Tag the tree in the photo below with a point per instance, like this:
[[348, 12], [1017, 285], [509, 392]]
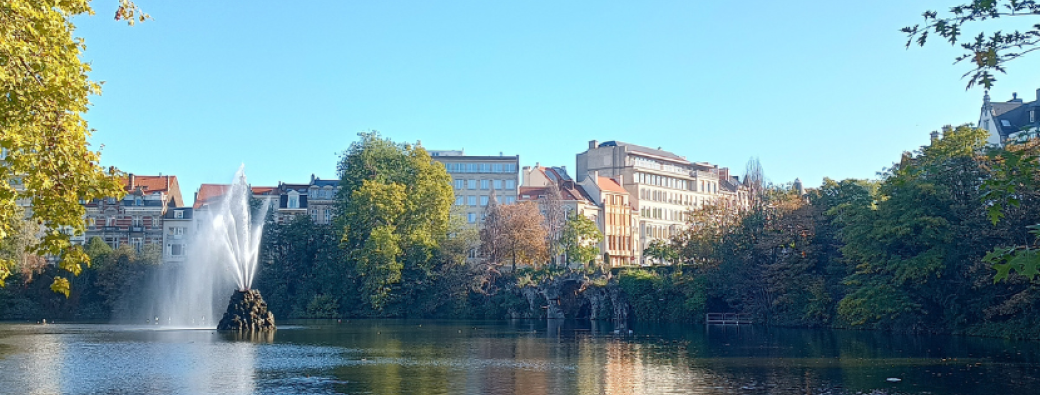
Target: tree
[[555, 217], [14, 248], [755, 181], [492, 246], [988, 53], [909, 251], [580, 239], [46, 158], [394, 202], [523, 234]]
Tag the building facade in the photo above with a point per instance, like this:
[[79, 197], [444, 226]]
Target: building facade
[[618, 221], [137, 218], [664, 187], [474, 177], [1004, 120], [179, 228]]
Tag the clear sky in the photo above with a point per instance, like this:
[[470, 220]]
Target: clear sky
[[814, 89]]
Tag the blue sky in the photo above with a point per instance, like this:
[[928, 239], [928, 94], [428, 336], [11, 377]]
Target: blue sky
[[814, 89]]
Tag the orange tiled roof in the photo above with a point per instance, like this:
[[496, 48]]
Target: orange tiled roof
[[209, 192], [608, 184], [149, 184], [263, 190]]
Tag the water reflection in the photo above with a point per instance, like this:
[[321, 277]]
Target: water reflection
[[523, 357]]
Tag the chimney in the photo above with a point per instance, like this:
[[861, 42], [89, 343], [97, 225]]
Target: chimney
[[935, 136], [167, 183], [1038, 95], [593, 144], [1014, 97], [312, 178], [620, 180], [595, 177]]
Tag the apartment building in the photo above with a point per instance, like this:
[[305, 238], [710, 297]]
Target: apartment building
[[618, 221], [474, 177], [137, 218], [663, 187]]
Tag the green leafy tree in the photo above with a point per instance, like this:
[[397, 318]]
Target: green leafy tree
[[394, 205], [1015, 169], [47, 159], [915, 245], [988, 53], [662, 250], [580, 239]]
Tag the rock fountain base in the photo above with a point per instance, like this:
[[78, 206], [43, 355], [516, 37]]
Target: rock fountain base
[[247, 312]]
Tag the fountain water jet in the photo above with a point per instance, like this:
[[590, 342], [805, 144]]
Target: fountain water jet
[[223, 254], [239, 235]]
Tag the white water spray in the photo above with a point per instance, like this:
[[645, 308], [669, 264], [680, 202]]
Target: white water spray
[[235, 233], [222, 256]]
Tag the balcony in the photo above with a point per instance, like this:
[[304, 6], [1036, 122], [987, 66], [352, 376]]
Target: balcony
[[110, 228], [137, 229]]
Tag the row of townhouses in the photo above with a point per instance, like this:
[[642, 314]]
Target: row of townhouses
[[634, 194]]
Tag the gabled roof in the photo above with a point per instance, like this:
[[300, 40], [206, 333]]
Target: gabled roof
[[1017, 118], [644, 150], [608, 184], [264, 190], [1000, 108], [152, 184], [323, 183], [209, 193]]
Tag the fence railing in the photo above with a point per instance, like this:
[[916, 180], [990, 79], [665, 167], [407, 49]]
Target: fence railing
[[727, 319]]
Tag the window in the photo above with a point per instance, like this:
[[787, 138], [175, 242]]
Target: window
[[485, 184], [459, 184], [178, 214], [498, 184], [497, 168], [328, 215], [483, 200], [459, 200], [510, 184], [294, 201], [1005, 122], [471, 184], [1032, 116], [510, 199], [472, 218], [176, 249], [472, 200]]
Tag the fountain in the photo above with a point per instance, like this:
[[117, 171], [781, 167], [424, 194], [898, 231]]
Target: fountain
[[224, 243], [237, 237]]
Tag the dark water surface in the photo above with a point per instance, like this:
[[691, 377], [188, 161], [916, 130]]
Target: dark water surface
[[525, 357]]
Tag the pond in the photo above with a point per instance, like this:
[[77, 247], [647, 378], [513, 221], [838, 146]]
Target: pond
[[508, 357]]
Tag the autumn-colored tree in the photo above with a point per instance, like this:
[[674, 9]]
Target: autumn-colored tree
[[46, 160], [523, 234]]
